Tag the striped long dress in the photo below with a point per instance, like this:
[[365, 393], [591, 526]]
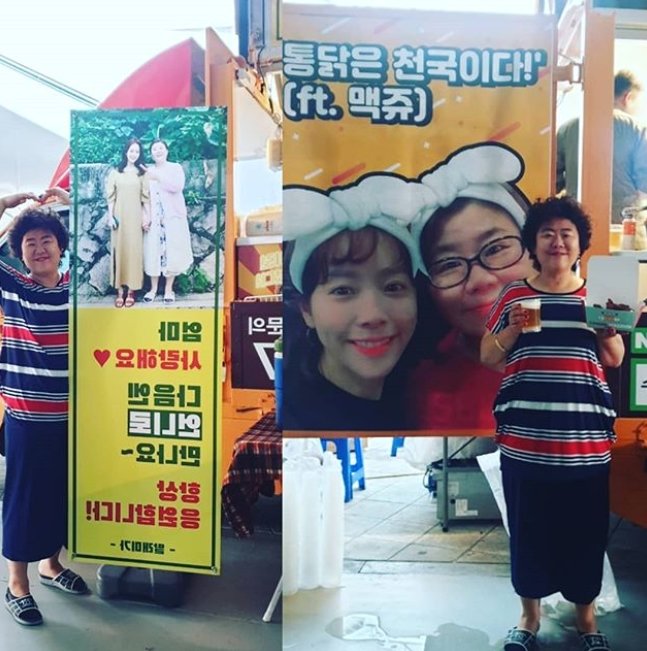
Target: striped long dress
[[554, 408], [34, 386], [554, 417]]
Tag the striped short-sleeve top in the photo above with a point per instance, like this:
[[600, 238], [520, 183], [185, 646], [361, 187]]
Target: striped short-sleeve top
[[34, 353], [554, 409]]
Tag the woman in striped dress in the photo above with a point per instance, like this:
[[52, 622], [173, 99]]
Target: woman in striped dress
[[34, 387], [554, 414]]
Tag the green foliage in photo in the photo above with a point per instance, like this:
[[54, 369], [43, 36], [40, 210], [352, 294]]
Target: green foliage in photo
[[101, 138], [194, 282]]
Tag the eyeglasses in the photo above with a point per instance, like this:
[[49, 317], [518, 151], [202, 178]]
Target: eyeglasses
[[495, 255]]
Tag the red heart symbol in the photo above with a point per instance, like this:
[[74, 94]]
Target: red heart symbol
[[102, 356]]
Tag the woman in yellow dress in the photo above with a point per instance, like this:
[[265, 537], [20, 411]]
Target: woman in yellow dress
[[128, 207]]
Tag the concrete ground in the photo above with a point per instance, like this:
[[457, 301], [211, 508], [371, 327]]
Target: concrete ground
[[409, 586], [217, 614]]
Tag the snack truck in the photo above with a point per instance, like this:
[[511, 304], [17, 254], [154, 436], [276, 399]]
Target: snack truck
[[596, 40], [250, 87]]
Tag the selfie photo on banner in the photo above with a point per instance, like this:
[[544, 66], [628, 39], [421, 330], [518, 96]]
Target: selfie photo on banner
[[403, 206]]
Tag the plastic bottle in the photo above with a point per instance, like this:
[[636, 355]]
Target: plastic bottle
[[332, 522], [640, 241], [309, 497], [292, 481], [629, 233]]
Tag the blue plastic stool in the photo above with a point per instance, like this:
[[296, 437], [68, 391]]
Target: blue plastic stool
[[278, 388], [398, 442], [351, 471]]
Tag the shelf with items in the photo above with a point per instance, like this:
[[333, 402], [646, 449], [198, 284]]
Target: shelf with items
[[641, 256], [250, 267]]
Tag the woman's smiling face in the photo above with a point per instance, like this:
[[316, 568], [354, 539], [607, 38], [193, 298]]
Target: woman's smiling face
[[41, 254], [557, 245], [133, 153], [465, 234], [159, 152], [364, 315]]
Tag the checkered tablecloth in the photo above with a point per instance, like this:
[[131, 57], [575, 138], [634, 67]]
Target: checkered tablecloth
[[256, 462]]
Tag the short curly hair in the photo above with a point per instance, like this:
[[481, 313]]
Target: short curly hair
[[36, 217], [543, 210]]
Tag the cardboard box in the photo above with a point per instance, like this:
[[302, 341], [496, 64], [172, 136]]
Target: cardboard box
[[260, 266], [615, 288]]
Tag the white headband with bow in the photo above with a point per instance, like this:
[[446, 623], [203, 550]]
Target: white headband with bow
[[311, 217], [480, 172]]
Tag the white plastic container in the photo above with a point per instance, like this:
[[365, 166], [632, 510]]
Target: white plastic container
[[309, 497], [291, 526], [332, 522]]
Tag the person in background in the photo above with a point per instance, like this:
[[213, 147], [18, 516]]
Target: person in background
[[127, 195], [351, 310], [555, 418], [167, 240], [629, 188], [470, 243], [34, 387]]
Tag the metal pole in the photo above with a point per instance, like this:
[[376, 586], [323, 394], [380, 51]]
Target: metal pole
[[445, 522]]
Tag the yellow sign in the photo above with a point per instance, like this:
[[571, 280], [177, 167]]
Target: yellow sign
[[145, 338], [413, 140], [144, 474], [399, 91]]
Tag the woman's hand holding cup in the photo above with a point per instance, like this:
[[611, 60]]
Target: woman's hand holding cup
[[517, 319]]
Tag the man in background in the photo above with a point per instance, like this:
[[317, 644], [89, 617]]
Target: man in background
[[629, 187]]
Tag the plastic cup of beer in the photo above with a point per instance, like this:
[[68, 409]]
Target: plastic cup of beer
[[532, 307], [615, 237]]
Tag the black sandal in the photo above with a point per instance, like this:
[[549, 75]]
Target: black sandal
[[594, 641], [23, 609], [519, 639], [67, 581]]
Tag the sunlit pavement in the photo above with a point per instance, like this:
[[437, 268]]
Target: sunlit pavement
[[218, 613], [409, 586]]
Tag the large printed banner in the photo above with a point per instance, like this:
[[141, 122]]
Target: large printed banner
[[148, 194], [413, 142]]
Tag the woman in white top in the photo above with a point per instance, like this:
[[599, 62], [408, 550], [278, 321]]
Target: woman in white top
[[167, 241]]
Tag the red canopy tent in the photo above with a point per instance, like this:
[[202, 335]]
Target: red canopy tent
[[173, 78]]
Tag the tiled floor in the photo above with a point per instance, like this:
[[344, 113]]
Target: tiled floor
[[409, 586], [218, 613], [394, 521]]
